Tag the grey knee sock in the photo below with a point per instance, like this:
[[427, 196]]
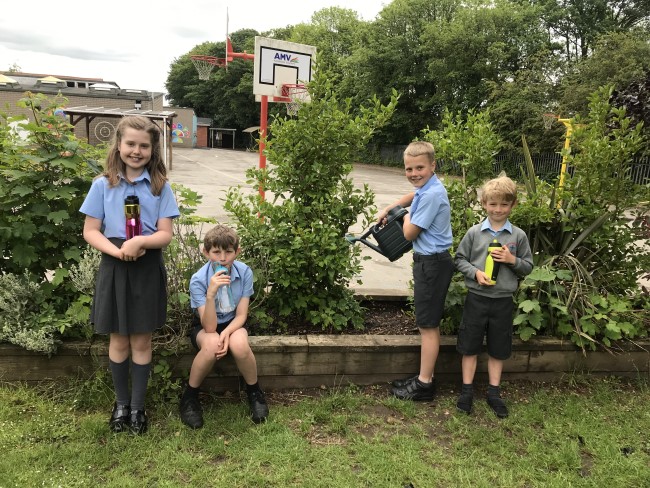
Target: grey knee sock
[[139, 380], [120, 373]]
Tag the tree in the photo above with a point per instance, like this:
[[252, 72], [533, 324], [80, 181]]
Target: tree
[[391, 57], [635, 98], [479, 48], [618, 58], [295, 239], [577, 24], [227, 97]]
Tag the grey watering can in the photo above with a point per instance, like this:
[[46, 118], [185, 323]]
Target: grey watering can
[[389, 237]]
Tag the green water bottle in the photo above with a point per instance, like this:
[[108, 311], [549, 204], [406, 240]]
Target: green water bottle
[[492, 266]]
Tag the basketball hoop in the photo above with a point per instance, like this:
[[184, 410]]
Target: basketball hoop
[[204, 65], [548, 119], [297, 95]]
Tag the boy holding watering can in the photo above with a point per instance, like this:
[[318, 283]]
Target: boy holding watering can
[[428, 227]]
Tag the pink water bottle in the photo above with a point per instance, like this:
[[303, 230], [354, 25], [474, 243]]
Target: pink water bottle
[[132, 214]]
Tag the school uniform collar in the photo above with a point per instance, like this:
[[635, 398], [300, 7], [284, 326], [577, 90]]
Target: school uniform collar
[[506, 227], [432, 181], [144, 176]]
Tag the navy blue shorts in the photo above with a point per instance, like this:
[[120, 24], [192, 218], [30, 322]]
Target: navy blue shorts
[[484, 316], [197, 327], [431, 277]]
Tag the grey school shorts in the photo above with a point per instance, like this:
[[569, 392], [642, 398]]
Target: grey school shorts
[[431, 277], [485, 316]]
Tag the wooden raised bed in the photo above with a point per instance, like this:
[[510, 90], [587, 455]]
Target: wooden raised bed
[[315, 360]]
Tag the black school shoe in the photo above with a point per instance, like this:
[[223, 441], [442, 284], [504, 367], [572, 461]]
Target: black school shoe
[[416, 390], [138, 422], [191, 412], [404, 381], [498, 406], [119, 421], [465, 402], [258, 406]]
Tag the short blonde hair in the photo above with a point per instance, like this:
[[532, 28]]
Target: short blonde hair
[[418, 148], [500, 187]]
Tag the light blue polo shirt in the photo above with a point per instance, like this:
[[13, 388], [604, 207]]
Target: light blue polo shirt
[[107, 204], [430, 210], [241, 284]]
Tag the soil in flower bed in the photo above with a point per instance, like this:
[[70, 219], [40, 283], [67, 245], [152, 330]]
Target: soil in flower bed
[[381, 318]]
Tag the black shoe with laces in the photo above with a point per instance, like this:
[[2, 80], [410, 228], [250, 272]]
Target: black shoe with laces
[[191, 412], [401, 383], [119, 421], [416, 390], [258, 406], [498, 406]]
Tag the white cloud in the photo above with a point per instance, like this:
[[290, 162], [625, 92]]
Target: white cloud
[[133, 43]]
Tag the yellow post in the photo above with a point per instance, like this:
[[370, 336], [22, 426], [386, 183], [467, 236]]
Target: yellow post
[[567, 141]]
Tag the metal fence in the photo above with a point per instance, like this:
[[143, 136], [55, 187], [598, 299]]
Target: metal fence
[[547, 165]]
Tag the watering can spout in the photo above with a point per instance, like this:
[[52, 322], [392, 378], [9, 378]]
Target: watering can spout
[[389, 237]]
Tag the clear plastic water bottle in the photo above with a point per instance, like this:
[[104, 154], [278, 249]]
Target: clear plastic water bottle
[[225, 300]]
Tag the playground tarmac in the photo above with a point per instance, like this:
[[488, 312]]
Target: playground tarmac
[[211, 172]]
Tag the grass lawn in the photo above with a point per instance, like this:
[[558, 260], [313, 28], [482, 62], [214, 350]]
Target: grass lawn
[[583, 431]]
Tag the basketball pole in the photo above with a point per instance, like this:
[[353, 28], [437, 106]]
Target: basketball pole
[[264, 107]]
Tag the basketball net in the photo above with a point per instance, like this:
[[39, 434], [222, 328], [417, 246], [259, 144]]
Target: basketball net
[[297, 95], [204, 65], [548, 120]]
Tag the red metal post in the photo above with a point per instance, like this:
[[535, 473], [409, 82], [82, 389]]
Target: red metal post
[[263, 120]]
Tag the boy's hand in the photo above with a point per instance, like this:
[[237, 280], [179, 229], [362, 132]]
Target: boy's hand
[[222, 348], [503, 255], [483, 279], [381, 217], [220, 278]]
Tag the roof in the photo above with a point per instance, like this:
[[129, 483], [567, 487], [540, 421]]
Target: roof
[[6, 79], [117, 112]]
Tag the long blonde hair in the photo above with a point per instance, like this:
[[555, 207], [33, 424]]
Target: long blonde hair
[[156, 166]]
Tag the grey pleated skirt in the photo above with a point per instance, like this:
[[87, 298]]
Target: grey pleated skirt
[[130, 296]]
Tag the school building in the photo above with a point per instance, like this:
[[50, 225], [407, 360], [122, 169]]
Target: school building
[[93, 106]]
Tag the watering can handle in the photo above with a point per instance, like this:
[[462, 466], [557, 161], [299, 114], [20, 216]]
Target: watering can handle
[[362, 239]]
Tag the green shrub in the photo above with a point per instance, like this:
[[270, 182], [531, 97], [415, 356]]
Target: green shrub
[[295, 239], [43, 181], [588, 253]]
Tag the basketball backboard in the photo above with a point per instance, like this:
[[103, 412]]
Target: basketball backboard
[[279, 63]]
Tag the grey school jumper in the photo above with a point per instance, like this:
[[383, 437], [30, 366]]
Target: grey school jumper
[[471, 254]]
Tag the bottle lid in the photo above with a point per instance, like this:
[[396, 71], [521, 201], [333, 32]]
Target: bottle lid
[[131, 200]]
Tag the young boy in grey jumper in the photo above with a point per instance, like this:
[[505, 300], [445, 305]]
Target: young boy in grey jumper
[[489, 306]]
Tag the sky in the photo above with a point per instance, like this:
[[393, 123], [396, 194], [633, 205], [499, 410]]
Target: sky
[[133, 42]]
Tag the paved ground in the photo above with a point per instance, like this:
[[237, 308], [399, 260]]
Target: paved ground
[[210, 172]]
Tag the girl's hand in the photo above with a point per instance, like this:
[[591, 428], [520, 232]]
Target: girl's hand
[[131, 250]]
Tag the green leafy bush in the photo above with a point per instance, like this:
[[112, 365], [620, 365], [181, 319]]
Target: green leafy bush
[[588, 252], [43, 181], [295, 239]]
